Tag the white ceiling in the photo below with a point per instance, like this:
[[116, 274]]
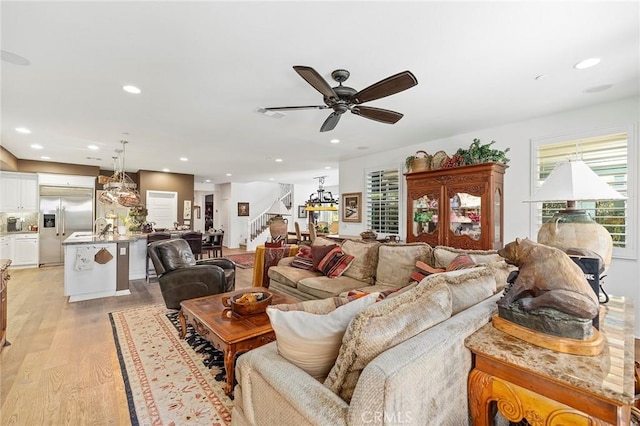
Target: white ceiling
[[205, 67]]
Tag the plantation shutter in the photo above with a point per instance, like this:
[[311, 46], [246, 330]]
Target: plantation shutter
[[383, 198], [607, 157]]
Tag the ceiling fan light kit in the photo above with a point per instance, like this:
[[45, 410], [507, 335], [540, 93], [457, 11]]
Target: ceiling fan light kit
[[343, 98]]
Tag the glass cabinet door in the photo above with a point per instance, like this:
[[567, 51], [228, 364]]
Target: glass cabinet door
[[425, 215], [464, 215]]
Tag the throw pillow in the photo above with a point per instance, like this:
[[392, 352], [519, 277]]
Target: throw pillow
[[319, 252], [443, 255], [461, 261], [335, 263], [468, 286], [396, 262], [303, 259], [384, 325], [423, 270], [309, 334]]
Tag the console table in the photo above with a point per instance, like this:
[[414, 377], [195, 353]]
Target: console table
[[548, 387]]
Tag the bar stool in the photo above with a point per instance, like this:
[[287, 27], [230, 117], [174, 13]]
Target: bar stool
[[154, 236]]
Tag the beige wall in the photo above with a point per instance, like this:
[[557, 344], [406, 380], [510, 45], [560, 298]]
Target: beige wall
[[8, 161], [32, 166], [160, 181]]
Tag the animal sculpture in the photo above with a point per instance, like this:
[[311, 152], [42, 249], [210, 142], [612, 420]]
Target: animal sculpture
[[548, 278]]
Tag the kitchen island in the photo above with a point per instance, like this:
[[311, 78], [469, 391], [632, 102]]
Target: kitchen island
[[99, 266]]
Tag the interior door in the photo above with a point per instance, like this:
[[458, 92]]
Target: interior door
[[163, 208]]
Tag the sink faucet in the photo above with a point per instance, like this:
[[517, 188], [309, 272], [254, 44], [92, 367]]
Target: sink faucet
[[95, 223]]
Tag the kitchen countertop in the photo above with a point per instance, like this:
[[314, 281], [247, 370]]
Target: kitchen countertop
[[4, 234], [89, 238]]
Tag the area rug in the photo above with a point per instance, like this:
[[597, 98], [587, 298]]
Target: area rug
[[244, 260], [168, 380]]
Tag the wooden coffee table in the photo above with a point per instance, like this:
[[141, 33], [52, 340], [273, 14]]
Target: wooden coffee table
[[231, 334]]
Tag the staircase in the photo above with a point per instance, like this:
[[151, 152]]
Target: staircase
[[258, 228]]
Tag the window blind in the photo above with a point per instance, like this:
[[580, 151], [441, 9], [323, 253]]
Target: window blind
[[383, 198]]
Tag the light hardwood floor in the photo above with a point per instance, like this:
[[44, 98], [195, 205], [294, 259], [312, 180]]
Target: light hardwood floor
[[62, 367]]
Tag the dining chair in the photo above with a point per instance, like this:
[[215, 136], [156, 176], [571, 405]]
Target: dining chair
[[213, 246], [195, 242], [312, 233], [296, 225]]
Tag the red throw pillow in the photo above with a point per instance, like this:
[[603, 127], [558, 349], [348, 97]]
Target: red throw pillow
[[461, 261], [319, 252], [303, 259], [423, 270], [335, 263]]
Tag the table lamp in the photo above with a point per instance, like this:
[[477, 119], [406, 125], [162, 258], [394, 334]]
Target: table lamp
[[278, 224], [573, 181]]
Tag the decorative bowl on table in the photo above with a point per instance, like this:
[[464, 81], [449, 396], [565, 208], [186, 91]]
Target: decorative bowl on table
[[249, 303]]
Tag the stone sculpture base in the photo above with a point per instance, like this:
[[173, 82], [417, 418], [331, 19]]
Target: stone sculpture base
[[548, 321]]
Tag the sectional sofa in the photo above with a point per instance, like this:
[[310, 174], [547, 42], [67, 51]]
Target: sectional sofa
[[402, 360]]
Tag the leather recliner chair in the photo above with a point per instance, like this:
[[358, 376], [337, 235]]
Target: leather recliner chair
[[181, 277]]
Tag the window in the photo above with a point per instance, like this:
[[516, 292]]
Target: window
[[608, 156], [383, 201]]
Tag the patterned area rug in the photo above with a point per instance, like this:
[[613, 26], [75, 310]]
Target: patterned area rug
[[169, 381], [244, 260]]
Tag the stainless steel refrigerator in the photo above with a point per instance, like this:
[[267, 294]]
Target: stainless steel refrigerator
[[63, 211]]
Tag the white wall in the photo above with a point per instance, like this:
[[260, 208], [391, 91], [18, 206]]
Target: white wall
[[259, 195], [623, 278]]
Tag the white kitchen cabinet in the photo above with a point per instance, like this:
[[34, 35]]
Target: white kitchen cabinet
[[25, 250], [6, 247], [138, 259], [19, 192]]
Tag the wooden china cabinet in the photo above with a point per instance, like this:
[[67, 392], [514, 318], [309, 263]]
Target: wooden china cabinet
[[460, 207]]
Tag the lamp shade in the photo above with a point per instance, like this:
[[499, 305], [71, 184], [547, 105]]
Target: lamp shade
[[278, 208], [574, 180]]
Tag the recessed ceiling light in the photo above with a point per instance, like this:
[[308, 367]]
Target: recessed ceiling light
[[587, 63], [228, 174], [327, 168], [36, 146], [184, 159], [165, 170], [335, 141], [270, 178], [278, 160], [23, 130], [44, 157], [14, 59], [207, 180], [93, 147], [131, 89]]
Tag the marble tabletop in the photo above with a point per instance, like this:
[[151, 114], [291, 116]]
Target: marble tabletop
[[90, 238], [609, 374]]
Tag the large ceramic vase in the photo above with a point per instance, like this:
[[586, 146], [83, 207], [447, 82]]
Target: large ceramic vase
[[278, 228]]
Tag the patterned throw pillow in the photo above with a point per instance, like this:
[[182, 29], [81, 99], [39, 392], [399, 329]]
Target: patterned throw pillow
[[423, 270], [303, 259], [461, 261], [335, 263], [319, 252]]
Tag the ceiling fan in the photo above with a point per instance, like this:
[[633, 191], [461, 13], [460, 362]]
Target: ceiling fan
[[343, 98]]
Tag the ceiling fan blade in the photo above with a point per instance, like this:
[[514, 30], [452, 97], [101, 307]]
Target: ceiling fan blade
[[295, 107], [377, 114], [388, 86], [330, 122], [312, 77]]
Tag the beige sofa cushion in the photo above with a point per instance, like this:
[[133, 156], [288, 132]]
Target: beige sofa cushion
[[322, 286], [468, 286], [383, 325], [289, 275], [396, 262], [309, 333], [442, 255], [321, 241], [364, 265]]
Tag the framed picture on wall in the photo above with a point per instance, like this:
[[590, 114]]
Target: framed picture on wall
[[243, 209], [302, 213], [352, 207]]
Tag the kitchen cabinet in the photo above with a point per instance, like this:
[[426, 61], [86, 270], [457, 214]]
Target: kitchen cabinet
[[25, 249], [6, 247], [19, 192], [460, 207]]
